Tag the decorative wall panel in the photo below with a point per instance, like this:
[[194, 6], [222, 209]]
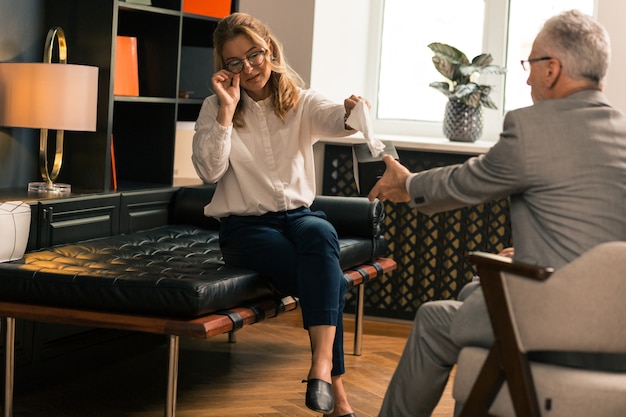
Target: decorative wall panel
[[431, 251]]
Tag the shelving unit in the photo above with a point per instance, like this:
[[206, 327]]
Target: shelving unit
[[175, 60]]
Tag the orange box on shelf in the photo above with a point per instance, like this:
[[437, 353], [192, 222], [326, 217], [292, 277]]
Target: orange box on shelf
[[126, 76], [213, 8]]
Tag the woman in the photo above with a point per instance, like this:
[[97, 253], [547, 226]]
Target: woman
[[254, 138]]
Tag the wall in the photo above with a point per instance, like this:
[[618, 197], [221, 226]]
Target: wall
[[612, 14], [21, 40], [292, 23]]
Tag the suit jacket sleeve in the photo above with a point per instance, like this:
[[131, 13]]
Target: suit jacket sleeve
[[496, 174]]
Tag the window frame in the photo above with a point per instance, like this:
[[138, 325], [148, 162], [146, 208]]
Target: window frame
[[495, 24]]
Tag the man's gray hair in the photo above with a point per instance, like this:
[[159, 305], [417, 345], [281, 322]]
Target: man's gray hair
[[580, 43]]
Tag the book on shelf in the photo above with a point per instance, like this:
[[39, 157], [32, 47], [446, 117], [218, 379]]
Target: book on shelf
[[113, 166], [184, 171], [212, 8], [126, 75]]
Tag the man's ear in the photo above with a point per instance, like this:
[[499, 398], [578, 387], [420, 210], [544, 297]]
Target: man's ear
[[553, 72]]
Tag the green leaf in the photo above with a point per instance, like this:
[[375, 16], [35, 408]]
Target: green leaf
[[482, 60], [449, 53], [488, 102], [468, 70], [489, 69], [463, 90], [445, 67], [493, 69], [473, 100], [443, 87]]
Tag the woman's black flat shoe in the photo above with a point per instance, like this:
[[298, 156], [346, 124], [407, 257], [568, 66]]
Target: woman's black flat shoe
[[319, 396]]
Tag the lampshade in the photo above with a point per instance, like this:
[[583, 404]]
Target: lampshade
[[48, 96]]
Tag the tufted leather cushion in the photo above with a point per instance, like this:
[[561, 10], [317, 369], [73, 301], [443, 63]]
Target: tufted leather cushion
[[173, 270]]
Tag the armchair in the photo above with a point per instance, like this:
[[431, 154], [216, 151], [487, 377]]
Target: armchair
[[535, 313]]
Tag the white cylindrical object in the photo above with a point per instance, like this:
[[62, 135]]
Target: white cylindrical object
[[15, 228]]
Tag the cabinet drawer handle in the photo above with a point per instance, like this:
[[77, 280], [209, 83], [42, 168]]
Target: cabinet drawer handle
[[47, 213]]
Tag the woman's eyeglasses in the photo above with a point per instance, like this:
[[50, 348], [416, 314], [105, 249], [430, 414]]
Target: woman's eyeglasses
[[254, 59]]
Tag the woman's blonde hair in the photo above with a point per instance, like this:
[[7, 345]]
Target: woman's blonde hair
[[284, 81]]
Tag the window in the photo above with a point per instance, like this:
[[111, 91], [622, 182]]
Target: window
[[403, 101]]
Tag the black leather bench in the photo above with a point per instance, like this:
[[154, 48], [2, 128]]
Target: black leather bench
[[171, 279]]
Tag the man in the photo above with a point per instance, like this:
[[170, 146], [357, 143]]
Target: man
[[561, 162]]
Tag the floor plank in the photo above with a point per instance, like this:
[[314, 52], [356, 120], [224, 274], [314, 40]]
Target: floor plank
[[259, 375]]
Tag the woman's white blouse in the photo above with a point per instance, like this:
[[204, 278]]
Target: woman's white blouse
[[267, 165]]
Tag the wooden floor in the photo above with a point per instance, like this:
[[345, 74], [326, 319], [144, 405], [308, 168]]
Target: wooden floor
[[259, 375]]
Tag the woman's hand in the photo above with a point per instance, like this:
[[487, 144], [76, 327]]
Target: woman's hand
[[226, 87]]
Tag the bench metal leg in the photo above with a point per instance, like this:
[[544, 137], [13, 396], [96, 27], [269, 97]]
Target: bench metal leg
[[9, 370], [172, 376], [358, 320]]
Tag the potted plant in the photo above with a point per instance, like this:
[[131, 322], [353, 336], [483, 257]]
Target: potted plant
[[463, 118]]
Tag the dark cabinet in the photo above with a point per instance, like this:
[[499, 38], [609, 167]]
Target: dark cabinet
[[141, 210], [81, 217], [73, 219], [175, 63]]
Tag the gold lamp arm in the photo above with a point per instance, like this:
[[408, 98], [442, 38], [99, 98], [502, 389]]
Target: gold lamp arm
[[50, 176], [56, 33]]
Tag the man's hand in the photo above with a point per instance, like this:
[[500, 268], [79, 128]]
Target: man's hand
[[392, 185]]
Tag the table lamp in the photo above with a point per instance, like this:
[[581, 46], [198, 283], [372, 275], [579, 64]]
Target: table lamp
[[46, 95]]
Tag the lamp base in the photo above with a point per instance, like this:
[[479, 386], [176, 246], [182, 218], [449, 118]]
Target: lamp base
[[53, 189]]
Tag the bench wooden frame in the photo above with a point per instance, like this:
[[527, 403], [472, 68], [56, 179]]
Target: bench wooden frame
[[202, 327]]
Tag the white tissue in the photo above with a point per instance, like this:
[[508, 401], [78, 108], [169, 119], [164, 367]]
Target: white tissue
[[359, 119]]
